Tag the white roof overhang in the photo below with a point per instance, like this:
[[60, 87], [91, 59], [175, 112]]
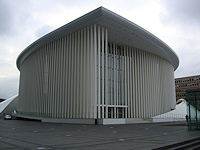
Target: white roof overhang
[[120, 30]]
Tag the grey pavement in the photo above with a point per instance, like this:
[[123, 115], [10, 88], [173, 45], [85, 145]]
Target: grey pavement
[[23, 134]]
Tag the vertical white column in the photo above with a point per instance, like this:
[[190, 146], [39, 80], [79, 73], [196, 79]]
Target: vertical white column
[[135, 79], [103, 92], [72, 76], [117, 77], [125, 85], [151, 86], [153, 78], [131, 82], [111, 78], [147, 85], [138, 84], [53, 88], [45, 95], [56, 80], [50, 82], [52, 77], [75, 76], [58, 90], [158, 86], [82, 74], [144, 84], [78, 85], [128, 81], [157, 82], [106, 70], [95, 72], [91, 73], [38, 81], [141, 88], [99, 73], [114, 71], [85, 75], [62, 78], [46, 79], [69, 76], [65, 77], [88, 73], [52, 59], [122, 80]]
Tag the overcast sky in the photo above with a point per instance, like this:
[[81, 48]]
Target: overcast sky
[[176, 22]]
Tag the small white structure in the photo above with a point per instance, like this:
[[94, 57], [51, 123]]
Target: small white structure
[[9, 105], [178, 114]]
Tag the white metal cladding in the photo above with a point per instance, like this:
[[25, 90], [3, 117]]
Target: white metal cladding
[[82, 75]]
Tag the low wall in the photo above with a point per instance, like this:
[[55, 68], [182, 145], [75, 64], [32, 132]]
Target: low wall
[[110, 121], [74, 121], [168, 119]]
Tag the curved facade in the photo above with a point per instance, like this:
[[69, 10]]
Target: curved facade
[[98, 66]]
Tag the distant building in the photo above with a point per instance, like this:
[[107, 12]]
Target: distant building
[[186, 83], [99, 66]]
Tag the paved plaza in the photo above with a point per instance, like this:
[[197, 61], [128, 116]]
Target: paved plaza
[[23, 134]]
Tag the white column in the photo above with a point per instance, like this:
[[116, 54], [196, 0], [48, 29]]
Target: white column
[[103, 78], [91, 73], [125, 85], [131, 82], [85, 75], [106, 71], [82, 73], [78, 85], [136, 83], [114, 71], [111, 79], [62, 92], [95, 72], [99, 72], [75, 101], [67, 75]]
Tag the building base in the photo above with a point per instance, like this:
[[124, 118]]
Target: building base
[[87, 121]]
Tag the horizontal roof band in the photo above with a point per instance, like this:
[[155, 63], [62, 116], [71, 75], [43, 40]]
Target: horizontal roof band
[[120, 30]]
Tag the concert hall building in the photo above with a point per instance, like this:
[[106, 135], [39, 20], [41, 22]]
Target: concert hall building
[[97, 67]]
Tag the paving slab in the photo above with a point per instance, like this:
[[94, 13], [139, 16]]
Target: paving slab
[[23, 134]]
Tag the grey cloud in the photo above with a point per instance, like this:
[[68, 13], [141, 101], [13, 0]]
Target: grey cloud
[[181, 11], [9, 86], [6, 18], [183, 17], [43, 30], [13, 17], [188, 53]]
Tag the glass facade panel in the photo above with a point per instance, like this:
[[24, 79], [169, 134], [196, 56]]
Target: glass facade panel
[[193, 108], [115, 81]]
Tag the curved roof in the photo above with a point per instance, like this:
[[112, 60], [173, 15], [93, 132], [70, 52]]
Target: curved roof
[[120, 31]]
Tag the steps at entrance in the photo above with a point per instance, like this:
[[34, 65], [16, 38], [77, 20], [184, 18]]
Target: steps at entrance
[[193, 144]]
